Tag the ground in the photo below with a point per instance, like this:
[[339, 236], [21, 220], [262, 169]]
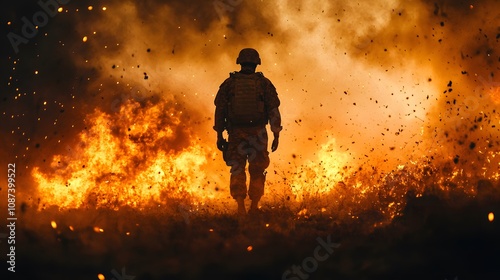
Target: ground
[[431, 240]]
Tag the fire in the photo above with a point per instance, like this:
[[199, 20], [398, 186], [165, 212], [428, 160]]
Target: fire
[[143, 156], [134, 157], [320, 175]]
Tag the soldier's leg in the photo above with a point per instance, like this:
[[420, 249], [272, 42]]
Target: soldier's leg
[[236, 159], [257, 165], [257, 170], [238, 185]]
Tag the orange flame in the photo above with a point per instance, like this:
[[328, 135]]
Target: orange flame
[[135, 158], [322, 174], [144, 155]]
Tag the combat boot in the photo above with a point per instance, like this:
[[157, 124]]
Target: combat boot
[[254, 208]]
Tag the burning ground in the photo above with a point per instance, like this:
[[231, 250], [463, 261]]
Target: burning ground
[[390, 143]]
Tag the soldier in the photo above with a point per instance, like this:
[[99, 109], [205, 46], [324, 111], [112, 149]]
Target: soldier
[[245, 103]]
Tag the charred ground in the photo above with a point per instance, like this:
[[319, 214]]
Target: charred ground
[[435, 238]]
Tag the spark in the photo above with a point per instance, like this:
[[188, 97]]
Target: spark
[[98, 230], [53, 224], [491, 217]]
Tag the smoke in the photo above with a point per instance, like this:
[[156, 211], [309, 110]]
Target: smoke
[[390, 81], [456, 42]]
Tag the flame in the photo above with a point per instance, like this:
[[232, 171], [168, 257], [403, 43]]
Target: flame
[[320, 175], [302, 212], [134, 157], [143, 155]]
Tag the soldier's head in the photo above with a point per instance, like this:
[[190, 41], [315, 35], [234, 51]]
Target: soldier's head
[[248, 58]]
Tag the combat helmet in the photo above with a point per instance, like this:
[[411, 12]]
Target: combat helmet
[[248, 55]]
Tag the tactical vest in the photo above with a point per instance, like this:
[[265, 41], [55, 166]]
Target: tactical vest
[[246, 100]]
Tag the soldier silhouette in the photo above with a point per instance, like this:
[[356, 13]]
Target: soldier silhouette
[[245, 103]]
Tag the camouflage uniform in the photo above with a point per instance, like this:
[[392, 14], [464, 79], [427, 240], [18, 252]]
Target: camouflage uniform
[[247, 143]]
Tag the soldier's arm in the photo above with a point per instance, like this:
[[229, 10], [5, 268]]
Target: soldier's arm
[[275, 121], [272, 103]]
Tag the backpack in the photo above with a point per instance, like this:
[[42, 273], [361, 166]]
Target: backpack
[[246, 100]]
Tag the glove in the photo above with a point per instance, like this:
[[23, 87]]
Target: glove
[[274, 145], [222, 144]]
